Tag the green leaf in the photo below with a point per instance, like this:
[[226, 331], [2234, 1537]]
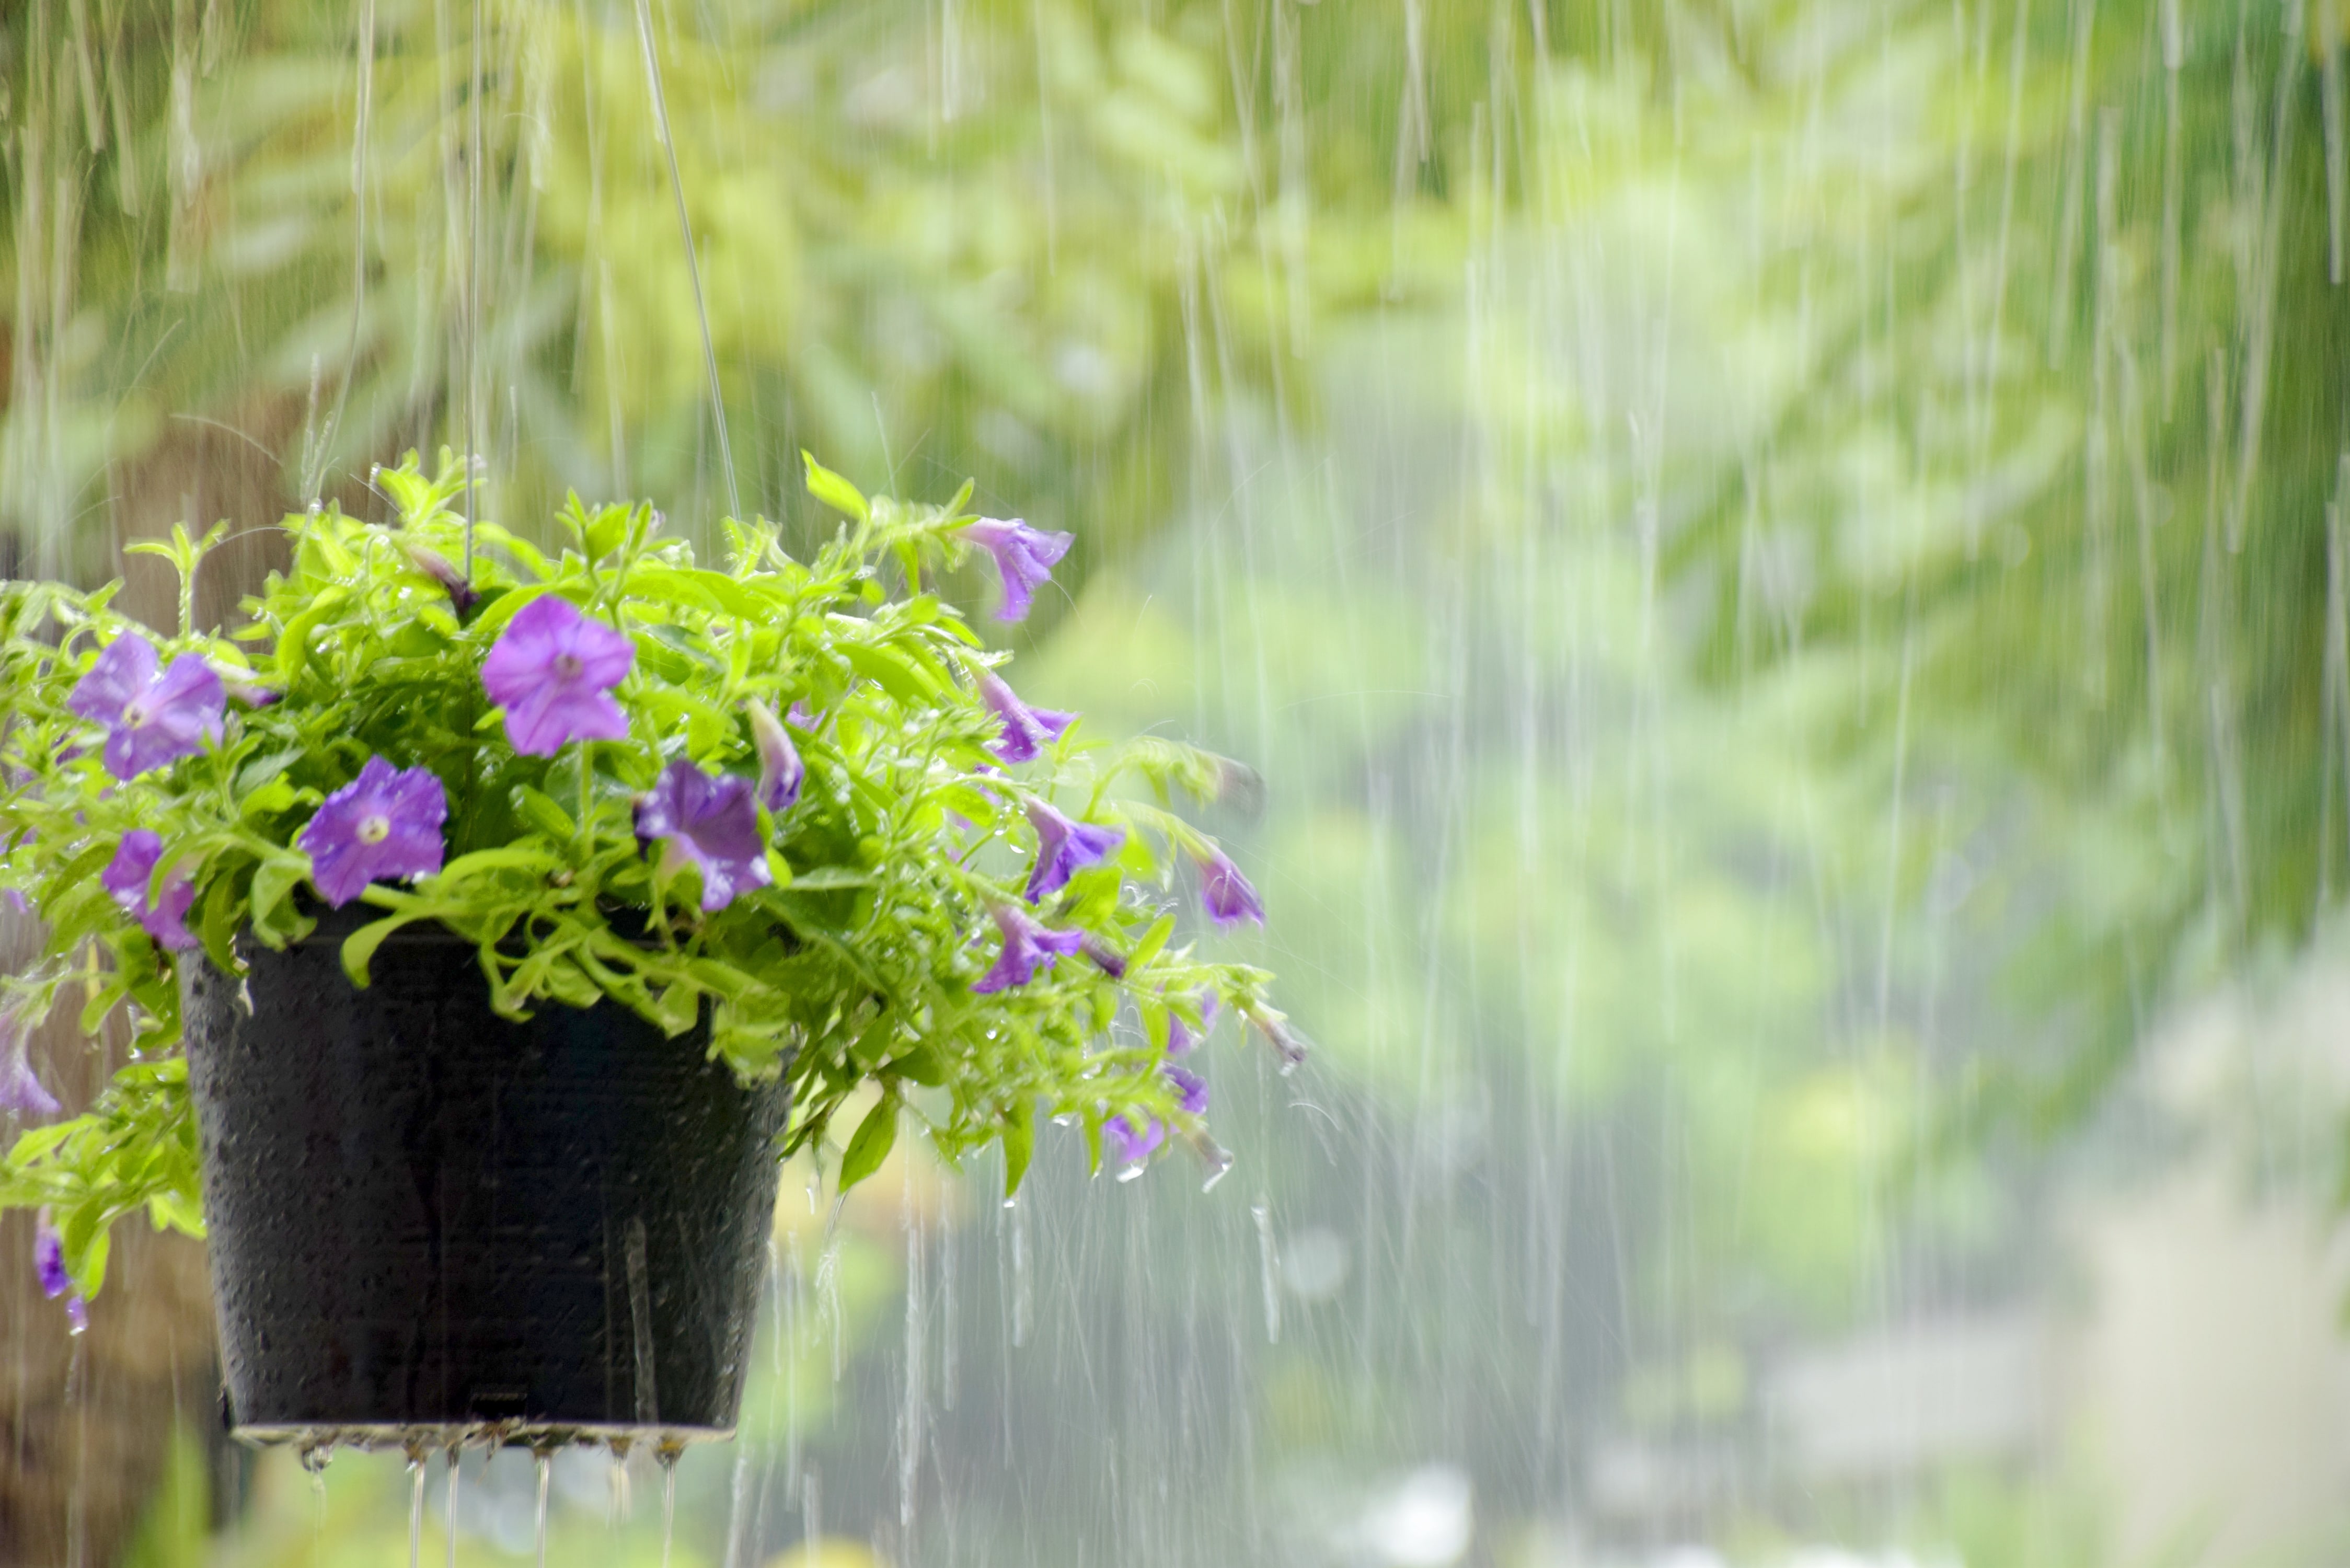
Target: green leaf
[[294, 642], [358, 947], [219, 920], [261, 770], [101, 1002], [891, 671], [1019, 1142], [731, 596], [920, 1066], [539, 809], [274, 881], [606, 531], [267, 800], [507, 858], [872, 1143], [834, 491], [826, 878], [89, 1253], [1152, 941]]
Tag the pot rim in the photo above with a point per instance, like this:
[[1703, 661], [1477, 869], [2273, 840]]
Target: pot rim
[[418, 1438]]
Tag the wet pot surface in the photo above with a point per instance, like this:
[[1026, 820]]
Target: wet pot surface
[[422, 1214]]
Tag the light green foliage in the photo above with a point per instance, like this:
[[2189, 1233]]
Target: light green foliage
[[174, 1530], [899, 256], [855, 967]]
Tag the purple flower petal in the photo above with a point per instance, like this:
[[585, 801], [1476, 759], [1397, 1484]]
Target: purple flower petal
[[1191, 1088], [125, 669], [129, 876], [150, 719], [49, 1258], [781, 772], [384, 823], [20, 1090], [1026, 730], [553, 671], [1024, 558], [710, 822], [1180, 1038], [1065, 847], [1027, 948], [1226, 893], [1127, 1145]]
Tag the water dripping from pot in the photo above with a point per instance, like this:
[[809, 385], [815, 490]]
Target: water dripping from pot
[[314, 1455], [543, 1459], [737, 1512], [668, 1455], [456, 1467], [415, 1503], [619, 1506]]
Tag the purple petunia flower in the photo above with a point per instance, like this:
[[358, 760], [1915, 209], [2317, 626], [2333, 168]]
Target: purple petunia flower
[[1180, 1038], [1127, 1145], [781, 772], [1024, 558], [49, 1258], [49, 1267], [384, 823], [1026, 730], [150, 719], [1105, 958], [20, 1089], [1191, 1088], [128, 878], [1027, 948], [708, 822], [1226, 893], [553, 671], [1065, 847]]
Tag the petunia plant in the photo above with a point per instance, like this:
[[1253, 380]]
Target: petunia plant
[[793, 798]]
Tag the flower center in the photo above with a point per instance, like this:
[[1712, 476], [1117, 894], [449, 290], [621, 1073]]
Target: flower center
[[374, 829], [568, 666], [134, 714]]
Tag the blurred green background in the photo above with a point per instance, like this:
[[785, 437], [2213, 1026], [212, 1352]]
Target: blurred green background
[[1783, 562]]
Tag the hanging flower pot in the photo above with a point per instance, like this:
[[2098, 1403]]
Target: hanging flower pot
[[422, 1214], [634, 872]]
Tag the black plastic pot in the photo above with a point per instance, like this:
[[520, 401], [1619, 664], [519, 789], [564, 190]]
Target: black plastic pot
[[423, 1215]]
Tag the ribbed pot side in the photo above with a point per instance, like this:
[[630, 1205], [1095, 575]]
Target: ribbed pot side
[[424, 1215]]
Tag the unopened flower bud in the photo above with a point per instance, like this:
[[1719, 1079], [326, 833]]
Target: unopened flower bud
[[461, 594], [781, 772]]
